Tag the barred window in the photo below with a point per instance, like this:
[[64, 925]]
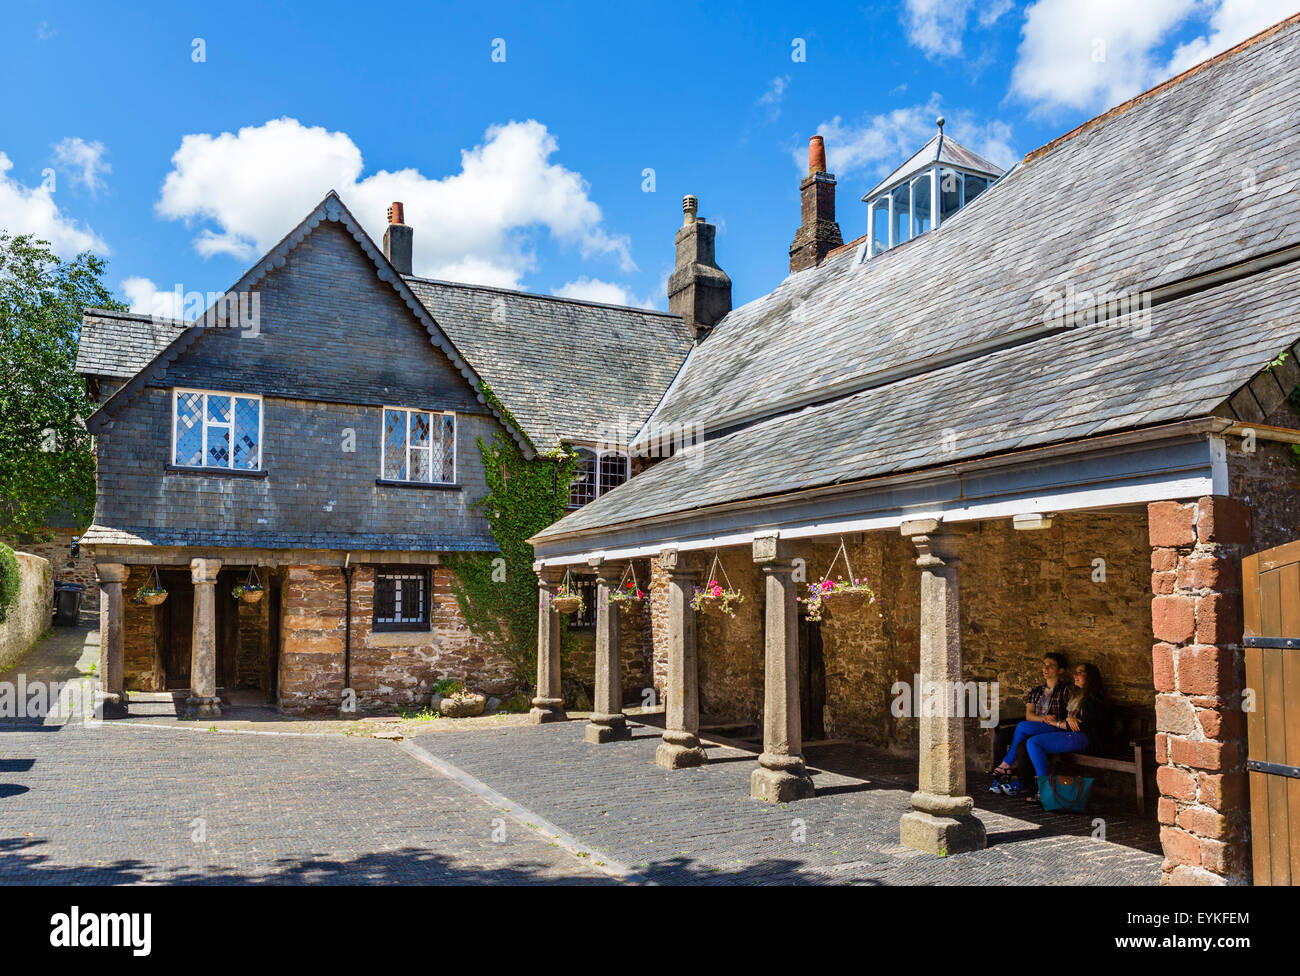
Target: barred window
[[587, 618], [594, 474], [402, 599], [216, 430], [419, 446]]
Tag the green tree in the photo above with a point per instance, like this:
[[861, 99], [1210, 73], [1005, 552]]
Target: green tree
[[46, 462]]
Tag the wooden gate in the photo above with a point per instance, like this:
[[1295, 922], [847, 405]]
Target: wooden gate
[[1271, 600]]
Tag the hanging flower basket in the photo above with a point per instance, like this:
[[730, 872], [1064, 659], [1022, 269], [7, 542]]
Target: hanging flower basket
[[628, 595], [841, 592], [568, 598], [151, 593], [713, 599], [249, 591]]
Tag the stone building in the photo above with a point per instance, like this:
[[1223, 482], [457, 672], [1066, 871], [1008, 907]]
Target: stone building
[[317, 433], [1049, 413]]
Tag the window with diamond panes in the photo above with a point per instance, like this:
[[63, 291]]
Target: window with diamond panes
[[419, 446], [402, 598], [217, 430]]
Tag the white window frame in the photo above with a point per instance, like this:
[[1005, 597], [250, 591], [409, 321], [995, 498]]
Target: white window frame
[[600, 456], [230, 466], [383, 445]]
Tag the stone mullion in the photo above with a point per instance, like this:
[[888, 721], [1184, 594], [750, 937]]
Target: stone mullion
[[1199, 672], [548, 705], [781, 775], [203, 700], [112, 653], [681, 743], [608, 723], [941, 820]]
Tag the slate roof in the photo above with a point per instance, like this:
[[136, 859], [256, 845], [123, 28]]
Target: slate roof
[[857, 369], [566, 369], [243, 539], [1198, 174], [1198, 351], [940, 149], [120, 344]]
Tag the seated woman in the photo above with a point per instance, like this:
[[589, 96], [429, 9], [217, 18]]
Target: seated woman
[[1083, 719], [1044, 706]]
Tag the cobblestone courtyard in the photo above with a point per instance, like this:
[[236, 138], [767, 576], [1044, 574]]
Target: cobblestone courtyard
[[124, 803]]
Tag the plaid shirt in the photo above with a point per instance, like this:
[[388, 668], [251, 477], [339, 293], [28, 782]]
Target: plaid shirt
[[1052, 702]]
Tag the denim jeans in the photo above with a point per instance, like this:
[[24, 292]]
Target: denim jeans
[[1023, 731], [1041, 746]]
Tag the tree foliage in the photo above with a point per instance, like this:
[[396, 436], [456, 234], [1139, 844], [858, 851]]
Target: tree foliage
[[497, 591], [46, 463]]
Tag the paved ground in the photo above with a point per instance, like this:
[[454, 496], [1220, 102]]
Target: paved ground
[[699, 825], [124, 802]]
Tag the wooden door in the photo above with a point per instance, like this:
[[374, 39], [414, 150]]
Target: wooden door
[[812, 680], [178, 631], [1271, 600]]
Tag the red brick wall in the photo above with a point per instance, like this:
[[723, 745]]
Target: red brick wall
[[1199, 674]]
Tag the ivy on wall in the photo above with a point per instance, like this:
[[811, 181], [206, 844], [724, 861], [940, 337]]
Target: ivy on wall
[[497, 591], [11, 581]]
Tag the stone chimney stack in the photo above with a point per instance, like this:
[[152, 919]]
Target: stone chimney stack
[[698, 290], [819, 234], [398, 240]]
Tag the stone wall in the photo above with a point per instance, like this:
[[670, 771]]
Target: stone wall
[[1022, 594], [388, 669], [253, 657], [142, 668], [29, 617], [57, 548], [1196, 548]]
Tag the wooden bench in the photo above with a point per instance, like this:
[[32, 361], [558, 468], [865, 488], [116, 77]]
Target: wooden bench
[[1132, 737]]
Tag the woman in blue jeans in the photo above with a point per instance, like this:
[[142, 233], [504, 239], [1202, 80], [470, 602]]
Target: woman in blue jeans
[[1082, 717]]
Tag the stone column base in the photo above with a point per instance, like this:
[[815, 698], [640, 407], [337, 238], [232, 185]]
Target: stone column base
[[202, 707], [607, 728], [942, 825], [780, 779], [547, 710], [112, 704], [679, 750]]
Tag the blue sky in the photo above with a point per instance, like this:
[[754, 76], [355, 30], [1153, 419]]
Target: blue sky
[[184, 139]]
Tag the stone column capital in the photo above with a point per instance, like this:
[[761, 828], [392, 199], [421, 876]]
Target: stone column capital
[[607, 571], [204, 570], [548, 577], [937, 545], [674, 562], [110, 573], [771, 550]]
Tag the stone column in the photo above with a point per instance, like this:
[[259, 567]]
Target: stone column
[[548, 706], [203, 701], [941, 820], [1199, 669], [112, 690], [780, 776], [681, 742], [608, 723]]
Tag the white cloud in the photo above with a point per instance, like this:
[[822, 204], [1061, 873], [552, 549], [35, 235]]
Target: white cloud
[[937, 26], [1096, 55], [145, 298], [772, 98], [32, 210], [594, 290], [877, 144], [84, 161], [1230, 24], [475, 225]]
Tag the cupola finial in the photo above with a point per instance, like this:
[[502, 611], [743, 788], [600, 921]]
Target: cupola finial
[[939, 123]]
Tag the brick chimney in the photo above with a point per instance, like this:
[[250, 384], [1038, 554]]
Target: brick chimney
[[819, 233], [398, 240], [698, 290]]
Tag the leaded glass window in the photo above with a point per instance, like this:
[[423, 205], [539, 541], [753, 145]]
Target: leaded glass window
[[216, 430], [595, 473], [419, 446]]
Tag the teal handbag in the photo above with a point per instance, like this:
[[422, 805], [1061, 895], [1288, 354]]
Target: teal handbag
[[1068, 793]]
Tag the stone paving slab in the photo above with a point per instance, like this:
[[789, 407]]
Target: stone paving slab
[[119, 805], [699, 826]]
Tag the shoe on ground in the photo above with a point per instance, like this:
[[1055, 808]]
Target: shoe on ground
[[1013, 787]]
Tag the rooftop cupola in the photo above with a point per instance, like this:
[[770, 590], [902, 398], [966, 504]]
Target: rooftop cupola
[[940, 178]]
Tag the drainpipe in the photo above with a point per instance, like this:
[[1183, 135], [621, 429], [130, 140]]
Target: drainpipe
[[347, 621]]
